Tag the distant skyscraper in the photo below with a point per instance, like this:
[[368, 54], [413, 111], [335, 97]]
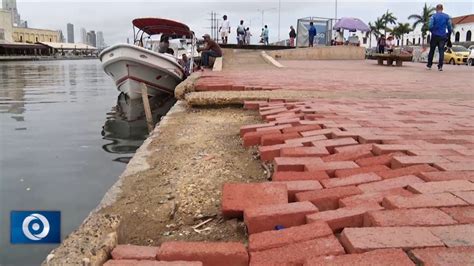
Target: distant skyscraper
[[100, 40], [84, 36], [61, 36], [91, 38], [70, 33], [10, 5]]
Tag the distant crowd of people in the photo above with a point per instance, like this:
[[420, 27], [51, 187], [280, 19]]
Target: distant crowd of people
[[243, 34]]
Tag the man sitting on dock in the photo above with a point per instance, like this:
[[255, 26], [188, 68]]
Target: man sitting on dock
[[212, 49]]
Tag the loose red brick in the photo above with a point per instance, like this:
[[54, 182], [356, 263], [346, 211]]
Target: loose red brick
[[328, 199], [467, 196], [360, 170], [350, 180], [279, 238], [268, 153], [460, 158], [267, 217], [404, 161], [294, 176], [303, 151], [372, 138], [278, 138], [347, 156], [272, 112], [375, 197], [410, 170], [297, 253], [253, 128], [441, 186], [209, 253], [380, 149], [299, 186], [330, 144], [326, 132], [282, 115], [273, 128], [384, 159], [253, 105], [330, 167], [295, 121], [346, 134], [455, 235], [134, 252], [238, 196], [458, 166], [294, 164], [307, 141], [407, 217], [253, 138], [301, 128], [432, 152], [444, 256], [397, 182], [151, 263], [422, 201], [380, 257], [464, 215], [354, 148], [358, 240], [344, 217], [447, 175]]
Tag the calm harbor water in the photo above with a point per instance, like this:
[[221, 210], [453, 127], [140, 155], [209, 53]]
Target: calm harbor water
[[60, 146]]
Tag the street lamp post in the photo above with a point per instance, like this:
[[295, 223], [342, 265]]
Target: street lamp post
[[279, 15]]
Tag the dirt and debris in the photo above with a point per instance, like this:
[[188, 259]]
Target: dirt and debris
[[194, 155]]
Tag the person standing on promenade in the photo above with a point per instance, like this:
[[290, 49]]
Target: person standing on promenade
[[311, 34], [381, 43], [440, 27], [265, 35], [212, 49], [292, 36], [248, 35], [224, 29], [241, 33]]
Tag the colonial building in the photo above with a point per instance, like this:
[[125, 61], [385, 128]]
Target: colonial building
[[29, 35], [463, 28]]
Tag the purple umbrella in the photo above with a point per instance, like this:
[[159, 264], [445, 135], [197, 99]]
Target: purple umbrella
[[351, 24]]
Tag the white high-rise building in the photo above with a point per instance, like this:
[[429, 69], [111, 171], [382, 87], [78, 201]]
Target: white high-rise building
[[10, 5], [100, 40], [83, 36]]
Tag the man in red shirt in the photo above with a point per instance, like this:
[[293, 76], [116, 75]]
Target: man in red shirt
[[212, 49]]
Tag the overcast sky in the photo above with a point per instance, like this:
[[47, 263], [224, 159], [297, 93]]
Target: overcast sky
[[114, 17]]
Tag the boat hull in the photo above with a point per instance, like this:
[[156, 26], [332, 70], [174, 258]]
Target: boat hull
[[129, 66]]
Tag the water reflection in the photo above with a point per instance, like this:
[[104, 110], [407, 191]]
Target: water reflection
[[126, 127], [51, 147]]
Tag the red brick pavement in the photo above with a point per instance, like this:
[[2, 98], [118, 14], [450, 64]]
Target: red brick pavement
[[395, 176]]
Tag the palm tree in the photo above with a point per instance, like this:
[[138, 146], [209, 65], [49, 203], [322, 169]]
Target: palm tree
[[388, 18], [402, 29], [375, 29], [423, 19]]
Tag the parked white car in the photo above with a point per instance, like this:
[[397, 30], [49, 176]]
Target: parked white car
[[470, 59]]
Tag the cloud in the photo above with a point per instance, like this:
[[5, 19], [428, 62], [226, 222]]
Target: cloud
[[114, 17]]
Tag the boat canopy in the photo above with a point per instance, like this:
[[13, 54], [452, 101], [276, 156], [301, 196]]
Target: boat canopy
[[154, 26]]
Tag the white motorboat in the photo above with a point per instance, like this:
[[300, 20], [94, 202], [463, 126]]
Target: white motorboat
[[132, 65]]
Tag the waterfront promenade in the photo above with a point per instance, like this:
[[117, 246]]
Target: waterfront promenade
[[348, 156]]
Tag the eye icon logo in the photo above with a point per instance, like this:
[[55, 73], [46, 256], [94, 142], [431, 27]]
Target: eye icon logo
[[35, 227], [39, 224]]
